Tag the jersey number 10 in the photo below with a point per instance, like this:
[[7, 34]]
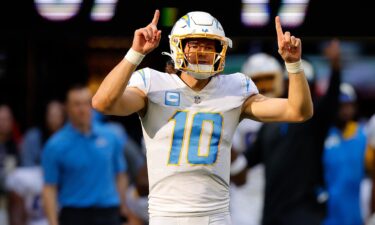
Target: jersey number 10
[[205, 130]]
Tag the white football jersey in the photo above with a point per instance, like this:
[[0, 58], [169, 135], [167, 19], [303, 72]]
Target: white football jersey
[[27, 182], [188, 137]]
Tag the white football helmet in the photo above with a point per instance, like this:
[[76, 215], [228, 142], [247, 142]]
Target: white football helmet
[[198, 25], [266, 72], [347, 93]]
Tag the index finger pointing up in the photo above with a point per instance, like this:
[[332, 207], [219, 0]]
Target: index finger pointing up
[[279, 30], [155, 20]]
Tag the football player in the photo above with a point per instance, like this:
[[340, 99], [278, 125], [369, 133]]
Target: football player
[[188, 120]]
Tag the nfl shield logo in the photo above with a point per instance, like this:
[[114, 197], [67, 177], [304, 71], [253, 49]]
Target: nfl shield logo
[[197, 99]]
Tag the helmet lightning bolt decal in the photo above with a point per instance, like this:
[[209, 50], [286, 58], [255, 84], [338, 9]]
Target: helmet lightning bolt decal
[[187, 19]]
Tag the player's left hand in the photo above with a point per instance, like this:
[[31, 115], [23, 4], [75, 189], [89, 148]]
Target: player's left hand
[[290, 47]]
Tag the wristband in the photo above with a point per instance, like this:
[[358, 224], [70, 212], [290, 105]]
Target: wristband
[[134, 57], [295, 67], [238, 165]]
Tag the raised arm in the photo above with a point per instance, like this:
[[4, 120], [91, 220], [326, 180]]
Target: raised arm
[[298, 106], [112, 96]]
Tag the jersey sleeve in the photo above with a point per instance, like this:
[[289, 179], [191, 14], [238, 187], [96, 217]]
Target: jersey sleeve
[[141, 80], [249, 87]]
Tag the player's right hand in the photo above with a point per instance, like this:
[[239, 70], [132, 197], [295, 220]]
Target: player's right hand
[[148, 38]]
